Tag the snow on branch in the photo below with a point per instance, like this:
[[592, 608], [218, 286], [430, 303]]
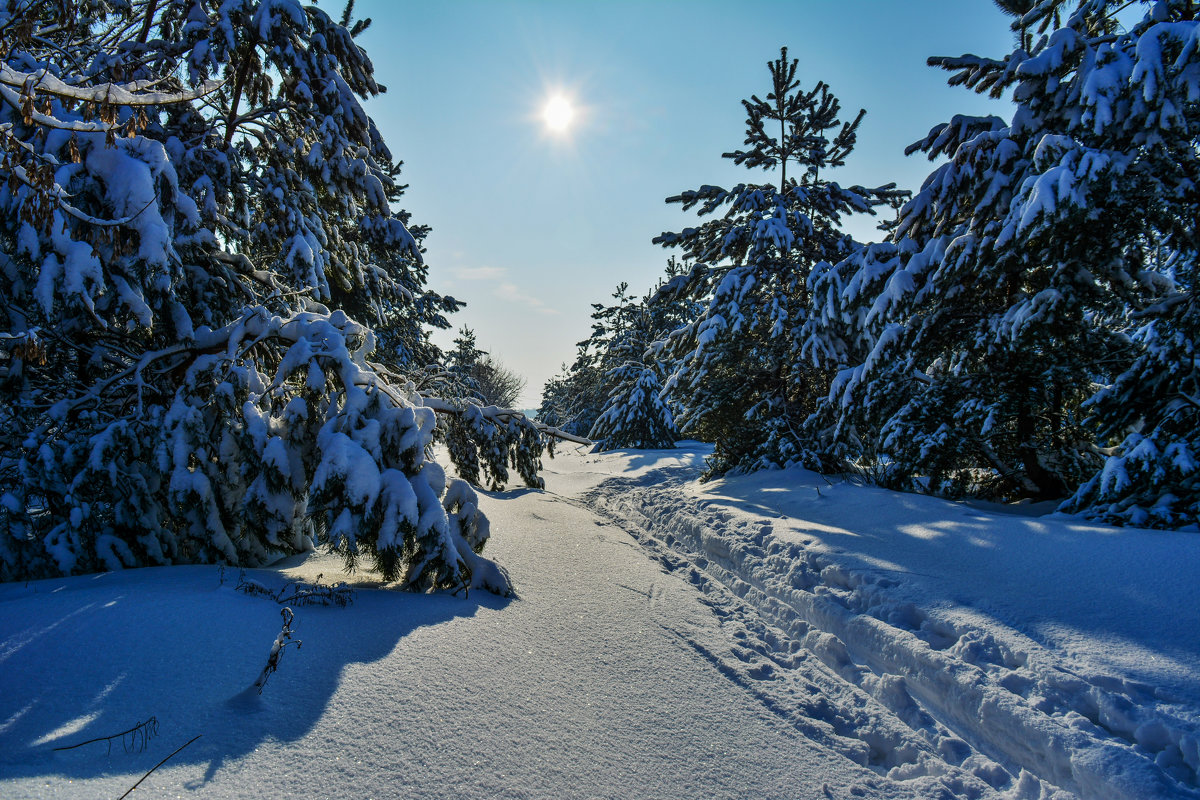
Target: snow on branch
[[57, 193], [497, 414], [137, 93]]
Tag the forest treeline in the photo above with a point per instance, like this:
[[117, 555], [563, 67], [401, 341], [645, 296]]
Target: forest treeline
[[215, 315]]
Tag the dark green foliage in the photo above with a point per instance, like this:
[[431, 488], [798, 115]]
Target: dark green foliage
[[738, 376]]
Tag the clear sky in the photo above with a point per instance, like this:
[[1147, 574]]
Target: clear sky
[[530, 227]]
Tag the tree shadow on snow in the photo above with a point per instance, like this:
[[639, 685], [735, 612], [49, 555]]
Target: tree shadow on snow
[[1045, 576], [640, 459], [92, 656]]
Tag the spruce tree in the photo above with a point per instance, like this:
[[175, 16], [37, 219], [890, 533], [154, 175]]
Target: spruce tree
[[198, 255], [1050, 255], [740, 380], [634, 413]]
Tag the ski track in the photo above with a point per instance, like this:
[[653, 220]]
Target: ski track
[[829, 650]]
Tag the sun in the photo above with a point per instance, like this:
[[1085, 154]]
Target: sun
[[558, 114]]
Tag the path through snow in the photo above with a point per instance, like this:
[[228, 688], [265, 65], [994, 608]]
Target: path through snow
[[587, 685], [748, 638], [935, 638]]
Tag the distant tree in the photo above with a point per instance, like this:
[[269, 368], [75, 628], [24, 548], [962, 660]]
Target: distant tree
[[499, 385], [573, 399], [483, 435], [739, 379], [483, 376], [466, 352], [634, 414], [626, 341]]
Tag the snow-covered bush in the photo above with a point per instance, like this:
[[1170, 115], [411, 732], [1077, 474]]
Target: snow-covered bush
[[195, 212]]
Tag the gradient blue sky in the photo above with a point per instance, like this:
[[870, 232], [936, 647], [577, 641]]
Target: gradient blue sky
[[530, 229]]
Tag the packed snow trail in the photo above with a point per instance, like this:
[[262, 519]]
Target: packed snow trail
[[597, 681], [767, 636], [927, 671]]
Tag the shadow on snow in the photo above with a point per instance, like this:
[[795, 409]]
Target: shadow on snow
[[177, 644]]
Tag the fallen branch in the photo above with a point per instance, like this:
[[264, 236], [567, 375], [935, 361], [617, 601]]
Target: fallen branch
[[277, 647], [497, 414], [302, 594]]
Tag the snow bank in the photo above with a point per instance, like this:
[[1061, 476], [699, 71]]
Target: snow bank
[[1028, 653]]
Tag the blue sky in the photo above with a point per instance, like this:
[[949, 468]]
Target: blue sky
[[531, 228]]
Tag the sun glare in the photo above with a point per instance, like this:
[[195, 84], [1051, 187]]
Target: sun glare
[[558, 114]]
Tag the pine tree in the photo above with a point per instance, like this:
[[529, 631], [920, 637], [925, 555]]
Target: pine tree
[[740, 381], [634, 413], [197, 224], [1016, 279]]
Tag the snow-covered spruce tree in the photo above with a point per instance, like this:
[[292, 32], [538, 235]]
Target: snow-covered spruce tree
[[574, 400], [1149, 106], [176, 227], [838, 336], [740, 381], [1015, 277], [1151, 479], [634, 413], [484, 441]]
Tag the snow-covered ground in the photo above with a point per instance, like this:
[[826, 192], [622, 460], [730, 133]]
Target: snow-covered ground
[[762, 636]]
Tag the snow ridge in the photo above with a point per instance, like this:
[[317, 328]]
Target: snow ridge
[[833, 651]]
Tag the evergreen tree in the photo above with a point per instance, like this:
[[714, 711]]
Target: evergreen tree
[[573, 399], [1152, 122], [1015, 278], [635, 416], [625, 341], [196, 212], [484, 376], [634, 413], [483, 436], [740, 381]]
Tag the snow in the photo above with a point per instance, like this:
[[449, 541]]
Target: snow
[[769, 635]]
